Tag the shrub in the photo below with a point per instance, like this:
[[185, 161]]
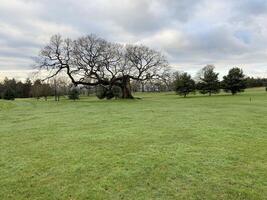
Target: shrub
[[74, 94], [101, 92], [109, 94], [117, 91]]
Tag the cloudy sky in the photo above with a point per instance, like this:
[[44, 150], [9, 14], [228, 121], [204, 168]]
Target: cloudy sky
[[192, 33]]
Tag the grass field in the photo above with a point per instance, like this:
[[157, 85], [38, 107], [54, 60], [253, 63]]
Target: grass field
[[160, 147]]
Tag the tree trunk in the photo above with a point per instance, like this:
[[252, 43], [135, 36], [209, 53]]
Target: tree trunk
[[143, 86], [126, 88], [55, 89]]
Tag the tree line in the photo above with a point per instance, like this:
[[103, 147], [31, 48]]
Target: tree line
[[11, 89], [256, 82], [206, 81]]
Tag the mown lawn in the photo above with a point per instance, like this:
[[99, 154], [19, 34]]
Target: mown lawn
[[160, 147]]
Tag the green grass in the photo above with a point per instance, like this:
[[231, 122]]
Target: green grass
[[160, 147]]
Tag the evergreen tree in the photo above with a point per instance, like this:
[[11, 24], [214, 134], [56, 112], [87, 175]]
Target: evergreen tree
[[10, 85], [208, 81], [19, 89], [9, 94], [2, 89], [235, 81], [27, 88], [184, 84]]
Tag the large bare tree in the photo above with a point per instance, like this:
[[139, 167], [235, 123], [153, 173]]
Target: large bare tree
[[92, 61]]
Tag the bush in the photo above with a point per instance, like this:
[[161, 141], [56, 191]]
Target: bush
[[74, 94], [109, 94], [101, 92], [9, 94], [117, 91]]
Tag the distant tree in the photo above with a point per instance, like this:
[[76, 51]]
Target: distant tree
[[88, 90], [37, 89], [10, 84], [208, 81], [56, 89], [184, 84], [255, 82], [166, 80], [74, 94], [2, 89], [9, 94], [26, 91], [235, 81], [46, 90], [60, 87], [19, 89], [265, 84]]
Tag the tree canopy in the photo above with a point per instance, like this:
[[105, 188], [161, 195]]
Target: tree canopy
[[208, 80], [93, 61], [184, 84], [235, 81]]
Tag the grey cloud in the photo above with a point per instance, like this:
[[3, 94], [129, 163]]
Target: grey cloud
[[252, 7], [192, 33]]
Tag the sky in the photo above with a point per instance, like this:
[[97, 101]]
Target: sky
[[191, 33]]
